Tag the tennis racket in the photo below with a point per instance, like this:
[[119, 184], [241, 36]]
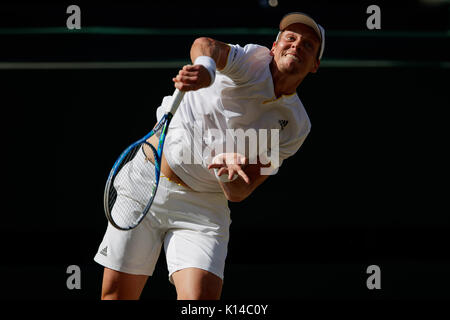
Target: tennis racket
[[121, 212]]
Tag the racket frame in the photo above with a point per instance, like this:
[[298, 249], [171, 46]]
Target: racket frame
[[164, 124]]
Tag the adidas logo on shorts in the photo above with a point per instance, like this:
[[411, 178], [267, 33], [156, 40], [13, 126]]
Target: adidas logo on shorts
[[283, 123], [104, 251]]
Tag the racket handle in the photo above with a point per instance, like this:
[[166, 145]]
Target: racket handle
[[176, 100]]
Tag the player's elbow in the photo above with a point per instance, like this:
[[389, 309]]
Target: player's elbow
[[217, 50], [236, 197], [202, 46], [201, 41]]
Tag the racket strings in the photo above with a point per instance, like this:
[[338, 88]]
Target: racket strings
[[132, 188]]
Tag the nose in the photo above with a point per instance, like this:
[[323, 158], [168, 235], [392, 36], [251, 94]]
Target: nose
[[296, 43]]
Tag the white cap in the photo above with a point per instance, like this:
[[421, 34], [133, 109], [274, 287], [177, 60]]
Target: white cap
[[299, 17]]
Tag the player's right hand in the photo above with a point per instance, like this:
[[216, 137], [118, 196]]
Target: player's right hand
[[192, 77]]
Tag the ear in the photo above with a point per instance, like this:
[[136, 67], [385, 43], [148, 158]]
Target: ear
[[315, 66], [273, 48]]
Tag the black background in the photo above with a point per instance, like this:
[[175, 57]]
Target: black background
[[369, 185]]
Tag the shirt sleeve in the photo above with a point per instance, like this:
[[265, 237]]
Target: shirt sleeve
[[163, 108], [243, 63], [287, 149]]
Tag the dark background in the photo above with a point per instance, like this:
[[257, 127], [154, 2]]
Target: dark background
[[369, 185]]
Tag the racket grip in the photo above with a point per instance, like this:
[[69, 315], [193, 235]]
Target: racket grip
[[176, 100]]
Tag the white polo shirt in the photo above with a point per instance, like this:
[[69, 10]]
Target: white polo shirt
[[242, 97]]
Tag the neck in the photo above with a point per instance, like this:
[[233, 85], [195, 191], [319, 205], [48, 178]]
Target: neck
[[284, 84]]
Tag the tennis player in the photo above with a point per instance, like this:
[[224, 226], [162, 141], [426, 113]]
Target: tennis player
[[229, 87]]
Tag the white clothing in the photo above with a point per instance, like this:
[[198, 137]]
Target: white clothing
[[242, 97], [193, 226]]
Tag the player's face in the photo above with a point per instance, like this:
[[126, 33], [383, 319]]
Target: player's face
[[296, 50]]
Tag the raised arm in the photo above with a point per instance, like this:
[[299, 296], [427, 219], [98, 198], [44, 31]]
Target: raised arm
[[211, 48], [196, 76]]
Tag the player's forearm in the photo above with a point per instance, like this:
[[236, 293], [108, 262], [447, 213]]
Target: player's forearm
[[217, 50]]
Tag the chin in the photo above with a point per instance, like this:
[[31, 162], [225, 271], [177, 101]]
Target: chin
[[290, 66], [291, 69]]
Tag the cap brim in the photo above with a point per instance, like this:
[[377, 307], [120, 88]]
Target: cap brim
[[298, 17]]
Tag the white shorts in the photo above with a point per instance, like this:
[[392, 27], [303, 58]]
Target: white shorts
[[193, 226]]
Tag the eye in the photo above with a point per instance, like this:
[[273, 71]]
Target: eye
[[308, 45], [290, 38]]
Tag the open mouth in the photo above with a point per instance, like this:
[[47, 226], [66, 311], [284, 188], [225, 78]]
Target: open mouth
[[294, 57]]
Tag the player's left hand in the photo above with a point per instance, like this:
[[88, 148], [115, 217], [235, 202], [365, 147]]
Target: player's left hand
[[233, 163]]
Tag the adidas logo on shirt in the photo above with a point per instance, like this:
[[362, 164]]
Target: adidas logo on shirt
[[283, 123]]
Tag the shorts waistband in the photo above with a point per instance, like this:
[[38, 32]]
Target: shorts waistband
[[173, 183]]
